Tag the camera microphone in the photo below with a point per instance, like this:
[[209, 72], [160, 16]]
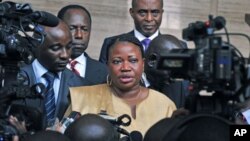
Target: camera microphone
[[68, 120], [218, 22], [44, 18]]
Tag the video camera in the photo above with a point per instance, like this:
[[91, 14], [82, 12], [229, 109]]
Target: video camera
[[215, 68], [18, 23]]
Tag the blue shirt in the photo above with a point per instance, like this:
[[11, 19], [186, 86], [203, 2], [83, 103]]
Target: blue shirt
[[39, 71]]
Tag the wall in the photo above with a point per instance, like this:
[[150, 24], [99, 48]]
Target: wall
[[111, 17]]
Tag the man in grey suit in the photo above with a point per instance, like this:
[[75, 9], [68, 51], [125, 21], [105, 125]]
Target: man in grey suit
[[52, 57], [79, 21], [147, 16]]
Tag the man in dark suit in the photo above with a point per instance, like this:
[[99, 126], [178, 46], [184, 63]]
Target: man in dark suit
[[147, 16], [79, 21], [52, 57]]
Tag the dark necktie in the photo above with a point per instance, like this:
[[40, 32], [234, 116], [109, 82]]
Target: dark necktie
[[146, 43], [50, 105], [72, 66]]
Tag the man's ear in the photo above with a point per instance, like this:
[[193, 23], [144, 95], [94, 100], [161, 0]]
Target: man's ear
[[131, 11]]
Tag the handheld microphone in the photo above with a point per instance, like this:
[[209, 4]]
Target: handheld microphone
[[124, 120], [68, 120], [135, 136], [44, 18]]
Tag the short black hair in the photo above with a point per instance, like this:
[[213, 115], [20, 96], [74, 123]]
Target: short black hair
[[127, 38], [80, 129], [63, 10], [134, 3]]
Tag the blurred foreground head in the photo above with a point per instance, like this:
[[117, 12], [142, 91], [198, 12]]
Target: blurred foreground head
[[91, 127], [47, 135], [159, 47], [196, 127]]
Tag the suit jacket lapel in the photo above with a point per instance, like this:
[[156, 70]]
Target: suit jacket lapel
[[62, 94], [89, 64]]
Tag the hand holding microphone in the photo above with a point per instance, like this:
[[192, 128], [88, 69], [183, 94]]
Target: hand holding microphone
[[68, 120]]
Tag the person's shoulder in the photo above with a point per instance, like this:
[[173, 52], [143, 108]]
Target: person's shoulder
[[91, 87], [96, 63], [26, 67], [90, 90], [73, 79], [160, 97], [119, 35], [68, 74], [156, 93]]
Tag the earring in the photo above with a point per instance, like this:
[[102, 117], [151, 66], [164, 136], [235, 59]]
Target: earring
[[144, 80], [108, 80]]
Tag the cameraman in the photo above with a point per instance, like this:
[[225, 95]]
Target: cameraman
[[160, 79], [52, 57]]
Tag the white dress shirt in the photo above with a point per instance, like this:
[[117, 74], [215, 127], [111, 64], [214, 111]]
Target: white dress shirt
[[81, 65], [141, 37]]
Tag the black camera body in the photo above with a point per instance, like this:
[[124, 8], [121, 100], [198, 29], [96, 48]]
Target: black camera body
[[18, 23], [215, 69], [211, 66]]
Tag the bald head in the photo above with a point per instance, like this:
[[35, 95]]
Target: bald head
[[163, 43], [91, 127], [60, 32], [158, 48], [134, 3]]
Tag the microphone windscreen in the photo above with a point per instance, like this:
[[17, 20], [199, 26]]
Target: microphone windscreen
[[219, 22], [135, 136], [44, 18]]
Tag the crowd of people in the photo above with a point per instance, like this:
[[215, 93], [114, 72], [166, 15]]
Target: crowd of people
[[125, 80]]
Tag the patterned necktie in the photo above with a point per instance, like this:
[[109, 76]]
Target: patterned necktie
[[50, 105], [72, 66], [146, 43]]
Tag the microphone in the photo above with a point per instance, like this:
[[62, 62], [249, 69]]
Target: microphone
[[124, 120], [121, 130], [68, 120], [44, 18], [218, 23], [135, 136]]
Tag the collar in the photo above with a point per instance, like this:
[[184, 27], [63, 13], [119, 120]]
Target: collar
[[40, 70], [141, 37], [81, 59]]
